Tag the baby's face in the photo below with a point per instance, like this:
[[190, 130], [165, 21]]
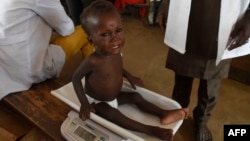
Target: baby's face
[[108, 35]]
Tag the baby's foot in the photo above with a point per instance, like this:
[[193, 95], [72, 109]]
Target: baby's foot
[[170, 116], [162, 133]]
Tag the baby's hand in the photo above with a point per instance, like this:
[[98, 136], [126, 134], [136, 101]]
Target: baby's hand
[[135, 81], [85, 112], [138, 81]]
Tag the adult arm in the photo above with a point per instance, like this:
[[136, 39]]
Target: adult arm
[[54, 14]]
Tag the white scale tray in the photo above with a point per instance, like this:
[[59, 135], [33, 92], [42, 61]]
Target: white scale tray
[[67, 95]]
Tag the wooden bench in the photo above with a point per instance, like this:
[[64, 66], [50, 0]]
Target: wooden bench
[[40, 107]]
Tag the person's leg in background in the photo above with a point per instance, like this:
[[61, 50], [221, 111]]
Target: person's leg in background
[[207, 97], [182, 89], [74, 43]]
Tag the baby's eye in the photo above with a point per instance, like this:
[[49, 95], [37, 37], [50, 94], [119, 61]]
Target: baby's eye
[[119, 30], [105, 34]]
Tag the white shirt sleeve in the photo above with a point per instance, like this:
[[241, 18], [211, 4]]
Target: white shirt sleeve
[[54, 14]]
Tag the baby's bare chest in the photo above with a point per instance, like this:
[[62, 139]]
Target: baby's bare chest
[[105, 82]]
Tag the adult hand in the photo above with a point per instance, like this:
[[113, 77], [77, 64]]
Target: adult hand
[[241, 32]]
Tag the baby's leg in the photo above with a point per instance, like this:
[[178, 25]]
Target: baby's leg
[[106, 111], [166, 116]]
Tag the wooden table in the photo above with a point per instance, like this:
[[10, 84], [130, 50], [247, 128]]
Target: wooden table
[[41, 108]]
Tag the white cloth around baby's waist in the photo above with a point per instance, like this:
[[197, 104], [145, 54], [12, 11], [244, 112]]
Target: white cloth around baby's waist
[[112, 103]]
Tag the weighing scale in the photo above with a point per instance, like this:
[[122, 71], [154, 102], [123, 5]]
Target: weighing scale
[[98, 129], [75, 129]]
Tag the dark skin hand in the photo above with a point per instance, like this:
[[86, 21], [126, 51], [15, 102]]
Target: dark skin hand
[[241, 32], [86, 111]]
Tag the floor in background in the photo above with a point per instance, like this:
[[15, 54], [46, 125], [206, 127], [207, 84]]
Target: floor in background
[[144, 56]]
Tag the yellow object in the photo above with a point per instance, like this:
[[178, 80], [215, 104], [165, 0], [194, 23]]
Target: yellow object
[[74, 43]]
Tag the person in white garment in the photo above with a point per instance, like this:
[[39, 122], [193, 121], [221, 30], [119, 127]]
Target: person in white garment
[[197, 33], [26, 55]]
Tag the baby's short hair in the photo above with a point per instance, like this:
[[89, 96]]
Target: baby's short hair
[[95, 9]]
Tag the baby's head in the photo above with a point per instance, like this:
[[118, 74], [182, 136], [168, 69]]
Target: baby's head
[[103, 25], [90, 17]]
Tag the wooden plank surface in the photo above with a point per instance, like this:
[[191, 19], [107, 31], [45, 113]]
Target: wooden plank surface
[[11, 122], [41, 108], [240, 69]]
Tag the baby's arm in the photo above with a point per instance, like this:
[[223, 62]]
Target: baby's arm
[[132, 79], [81, 72]]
